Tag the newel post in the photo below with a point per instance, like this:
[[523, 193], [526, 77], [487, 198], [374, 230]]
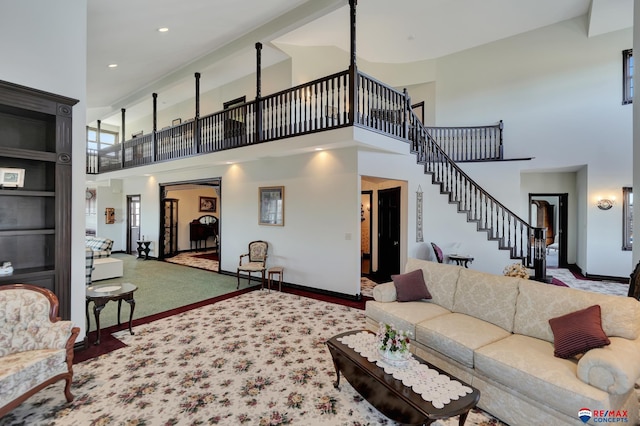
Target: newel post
[[258, 114], [196, 121], [155, 125], [353, 69], [539, 254]]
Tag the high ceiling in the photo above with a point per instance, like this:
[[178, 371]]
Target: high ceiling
[[217, 37]]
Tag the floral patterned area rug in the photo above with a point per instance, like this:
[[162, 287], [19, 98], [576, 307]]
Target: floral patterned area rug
[[194, 260], [258, 359]]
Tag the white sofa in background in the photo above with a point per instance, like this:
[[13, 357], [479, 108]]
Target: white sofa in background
[[493, 332]]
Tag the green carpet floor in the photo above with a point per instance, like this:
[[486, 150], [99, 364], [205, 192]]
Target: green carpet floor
[[162, 286]]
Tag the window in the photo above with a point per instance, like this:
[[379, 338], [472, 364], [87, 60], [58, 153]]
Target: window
[[627, 218], [107, 138], [627, 76]]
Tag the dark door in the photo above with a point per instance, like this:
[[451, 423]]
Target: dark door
[[551, 212], [388, 232], [563, 219], [133, 223]]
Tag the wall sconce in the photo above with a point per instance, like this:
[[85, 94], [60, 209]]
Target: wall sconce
[[605, 203]]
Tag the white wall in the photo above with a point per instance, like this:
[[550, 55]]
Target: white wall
[[319, 244], [559, 94], [43, 46]]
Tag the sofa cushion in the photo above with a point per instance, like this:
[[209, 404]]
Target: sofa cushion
[[538, 303], [539, 375], [404, 315], [577, 332], [487, 296], [457, 336], [410, 286], [440, 278]]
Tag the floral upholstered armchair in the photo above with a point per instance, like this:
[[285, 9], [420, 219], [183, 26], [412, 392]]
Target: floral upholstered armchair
[[36, 348], [255, 260]]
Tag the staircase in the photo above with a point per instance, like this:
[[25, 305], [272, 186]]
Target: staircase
[[501, 224]]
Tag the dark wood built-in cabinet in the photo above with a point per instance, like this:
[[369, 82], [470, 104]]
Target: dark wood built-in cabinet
[[35, 219]]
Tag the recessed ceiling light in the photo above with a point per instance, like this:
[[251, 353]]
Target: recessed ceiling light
[[318, 149], [163, 29], [113, 65]]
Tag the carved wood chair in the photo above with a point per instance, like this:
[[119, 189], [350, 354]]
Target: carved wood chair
[[39, 349], [255, 261]]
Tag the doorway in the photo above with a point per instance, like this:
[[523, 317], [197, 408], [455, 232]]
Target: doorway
[[133, 223], [366, 199], [388, 232], [550, 212]]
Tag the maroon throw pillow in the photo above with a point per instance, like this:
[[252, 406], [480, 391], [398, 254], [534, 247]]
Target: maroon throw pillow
[[410, 286], [578, 332]]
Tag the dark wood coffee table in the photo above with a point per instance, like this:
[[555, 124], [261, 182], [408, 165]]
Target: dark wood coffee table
[[393, 399]]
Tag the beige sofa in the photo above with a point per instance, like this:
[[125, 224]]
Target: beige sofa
[[493, 332]]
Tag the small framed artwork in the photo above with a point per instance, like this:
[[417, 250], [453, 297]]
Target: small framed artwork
[[176, 121], [208, 204], [11, 178], [271, 202]]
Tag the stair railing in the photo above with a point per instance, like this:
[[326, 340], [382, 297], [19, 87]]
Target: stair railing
[[478, 143], [501, 224]]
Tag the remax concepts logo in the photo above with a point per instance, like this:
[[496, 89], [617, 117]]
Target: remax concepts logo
[[585, 414], [603, 416]]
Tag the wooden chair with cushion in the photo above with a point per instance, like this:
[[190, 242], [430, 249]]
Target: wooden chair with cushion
[[255, 261], [36, 349], [438, 252]]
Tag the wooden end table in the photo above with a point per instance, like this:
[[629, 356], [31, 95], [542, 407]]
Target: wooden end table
[[388, 395], [101, 294]]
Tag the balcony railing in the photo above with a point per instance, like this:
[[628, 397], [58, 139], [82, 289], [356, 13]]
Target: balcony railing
[[333, 102]]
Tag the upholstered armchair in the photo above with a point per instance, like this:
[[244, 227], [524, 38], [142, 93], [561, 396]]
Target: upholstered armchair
[[36, 348], [254, 261]]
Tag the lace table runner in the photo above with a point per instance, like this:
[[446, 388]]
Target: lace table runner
[[439, 389]]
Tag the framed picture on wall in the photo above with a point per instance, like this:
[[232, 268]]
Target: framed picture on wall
[[208, 204], [271, 201]]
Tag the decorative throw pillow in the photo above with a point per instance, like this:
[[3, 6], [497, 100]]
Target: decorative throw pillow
[[577, 332], [410, 286]]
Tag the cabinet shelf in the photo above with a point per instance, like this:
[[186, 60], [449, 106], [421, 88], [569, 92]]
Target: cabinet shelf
[[41, 275], [26, 193], [35, 219], [19, 232], [27, 154]]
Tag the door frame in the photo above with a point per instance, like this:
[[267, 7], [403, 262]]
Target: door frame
[[129, 201], [369, 193], [398, 225], [563, 222]]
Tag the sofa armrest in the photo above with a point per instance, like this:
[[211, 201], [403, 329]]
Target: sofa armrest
[[385, 292], [613, 368]]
